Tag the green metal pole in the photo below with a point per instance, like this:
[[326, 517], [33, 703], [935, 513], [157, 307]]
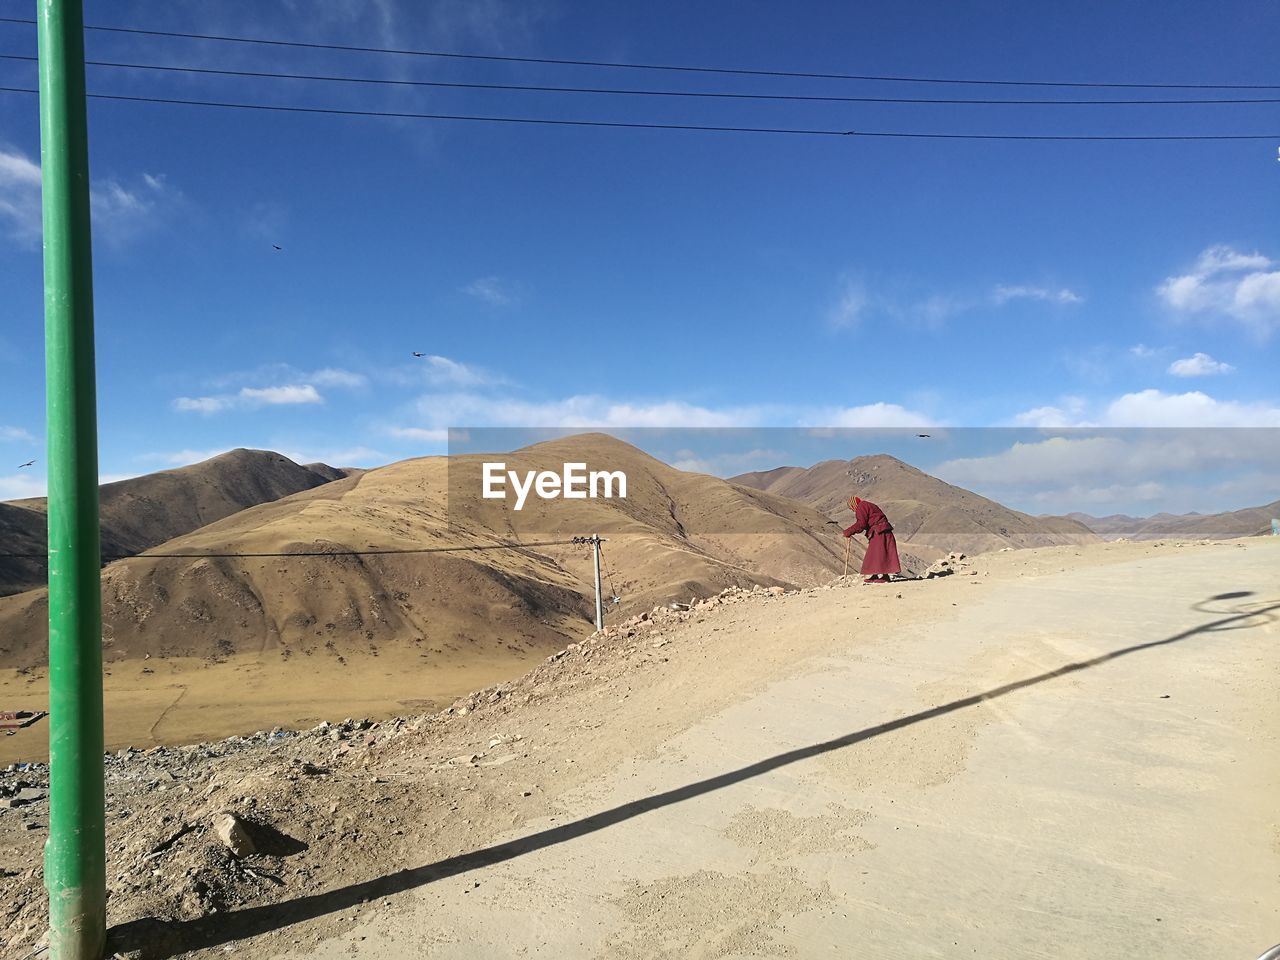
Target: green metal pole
[[75, 855]]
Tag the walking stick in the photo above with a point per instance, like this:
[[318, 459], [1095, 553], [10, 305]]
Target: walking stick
[[848, 541]]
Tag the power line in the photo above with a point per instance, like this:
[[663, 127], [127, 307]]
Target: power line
[[657, 66], [620, 91], [631, 125], [392, 551]]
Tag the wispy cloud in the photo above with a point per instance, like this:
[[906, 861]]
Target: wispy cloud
[[332, 377], [282, 396], [121, 210], [854, 302], [1226, 283], [16, 435], [850, 304], [203, 404], [870, 415], [1199, 365], [19, 196], [443, 372], [251, 398], [1003, 294], [276, 384], [491, 290], [466, 398]]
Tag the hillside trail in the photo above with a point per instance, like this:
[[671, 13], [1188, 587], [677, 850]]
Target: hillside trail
[[1071, 754]]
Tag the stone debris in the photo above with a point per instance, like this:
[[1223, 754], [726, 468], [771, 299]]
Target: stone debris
[[231, 830], [946, 566]]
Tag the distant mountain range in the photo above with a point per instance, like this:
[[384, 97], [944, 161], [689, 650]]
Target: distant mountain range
[[143, 512], [1249, 522]]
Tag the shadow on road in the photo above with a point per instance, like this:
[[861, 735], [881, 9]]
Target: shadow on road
[[151, 939]]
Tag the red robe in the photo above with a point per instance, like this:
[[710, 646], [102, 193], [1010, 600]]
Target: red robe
[[882, 548]]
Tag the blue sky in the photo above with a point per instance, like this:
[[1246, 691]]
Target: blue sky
[[558, 276]]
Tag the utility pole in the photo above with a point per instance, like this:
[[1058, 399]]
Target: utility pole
[[75, 854], [595, 540]]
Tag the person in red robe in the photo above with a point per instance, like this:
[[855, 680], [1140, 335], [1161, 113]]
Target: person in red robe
[[882, 549]]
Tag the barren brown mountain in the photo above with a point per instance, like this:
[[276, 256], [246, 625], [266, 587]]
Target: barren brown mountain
[[930, 516], [142, 512], [1249, 522], [460, 590]]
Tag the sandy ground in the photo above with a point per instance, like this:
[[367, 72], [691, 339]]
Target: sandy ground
[[946, 787], [1058, 753]]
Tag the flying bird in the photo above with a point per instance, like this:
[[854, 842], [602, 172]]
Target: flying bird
[[277, 246], [417, 354], [29, 463], [923, 436]]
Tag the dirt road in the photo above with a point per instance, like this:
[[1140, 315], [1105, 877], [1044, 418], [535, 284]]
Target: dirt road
[[1068, 757]]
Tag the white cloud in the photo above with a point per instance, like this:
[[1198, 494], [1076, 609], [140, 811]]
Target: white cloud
[[250, 398], [1224, 282], [1155, 408], [870, 415], [277, 384], [120, 211], [1199, 365], [1143, 352], [16, 435], [1048, 417], [277, 396], [443, 410], [1003, 294], [436, 412], [491, 290]]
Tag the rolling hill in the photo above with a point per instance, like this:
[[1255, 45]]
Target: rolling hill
[[142, 512], [383, 560], [929, 516]]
